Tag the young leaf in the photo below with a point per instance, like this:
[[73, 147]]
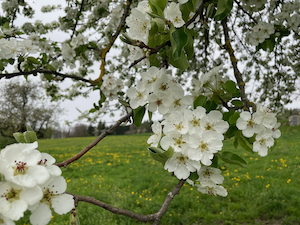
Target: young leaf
[[223, 8], [138, 115], [200, 101], [232, 158], [158, 6]]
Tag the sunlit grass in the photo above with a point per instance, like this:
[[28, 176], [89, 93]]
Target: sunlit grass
[[120, 172]]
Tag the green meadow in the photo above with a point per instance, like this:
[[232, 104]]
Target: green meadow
[[120, 172]]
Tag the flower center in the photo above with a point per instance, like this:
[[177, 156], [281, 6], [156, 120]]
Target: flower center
[[262, 141], [207, 174], [48, 195], [181, 158], [250, 123], [177, 102], [203, 146], [164, 87], [195, 122], [159, 102], [178, 126], [208, 126], [43, 163], [20, 168], [12, 195]]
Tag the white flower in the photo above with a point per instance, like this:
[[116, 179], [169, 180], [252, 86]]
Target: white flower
[[209, 176], [19, 164], [203, 146], [176, 121], [174, 139], [53, 197], [138, 96], [15, 199], [194, 117], [173, 14], [155, 138], [181, 165], [139, 25], [213, 190], [214, 121], [264, 140], [246, 124], [161, 101]]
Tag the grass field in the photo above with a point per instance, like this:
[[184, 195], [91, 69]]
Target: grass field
[[120, 172]]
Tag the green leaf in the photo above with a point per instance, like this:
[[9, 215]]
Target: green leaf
[[223, 8], [5, 25], [234, 117], [33, 60], [158, 6], [50, 67], [237, 103], [230, 86], [179, 40], [19, 137], [227, 115], [180, 63], [93, 110], [200, 101], [231, 131], [245, 143], [138, 115], [150, 116], [232, 158], [157, 154], [28, 128], [30, 136], [189, 47], [194, 176], [1, 65]]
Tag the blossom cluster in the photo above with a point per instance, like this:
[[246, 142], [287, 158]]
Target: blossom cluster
[[264, 124], [110, 86], [13, 48], [31, 181], [139, 23], [260, 33]]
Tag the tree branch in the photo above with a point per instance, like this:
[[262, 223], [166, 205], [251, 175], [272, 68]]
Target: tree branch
[[115, 210], [237, 73], [95, 142], [34, 72], [77, 18], [156, 217], [112, 41], [241, 8], [167, 202]]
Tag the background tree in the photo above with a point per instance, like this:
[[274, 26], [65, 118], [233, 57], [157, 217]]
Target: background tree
[[23, 103]]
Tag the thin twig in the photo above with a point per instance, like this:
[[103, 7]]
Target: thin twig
[[237, 73], [246, 12], [34, 72], [95, 142], [77, 18], [167, 202], [112, 41]]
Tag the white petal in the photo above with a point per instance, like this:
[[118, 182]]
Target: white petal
[[41, 215], [31, 195], [62, 204], [39, 173]]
